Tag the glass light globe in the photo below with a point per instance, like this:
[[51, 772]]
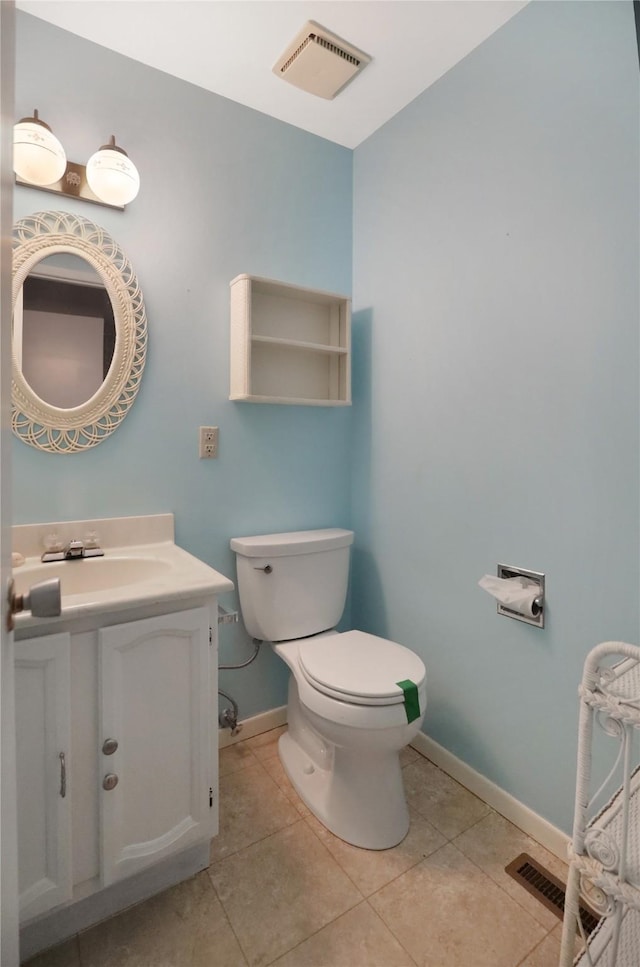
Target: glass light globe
[[112, 176], [38, 156]]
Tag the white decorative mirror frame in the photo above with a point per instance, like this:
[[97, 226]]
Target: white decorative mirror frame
[[49, 427]]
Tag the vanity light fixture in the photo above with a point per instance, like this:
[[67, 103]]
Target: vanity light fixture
[[38, 156], [110, 178]]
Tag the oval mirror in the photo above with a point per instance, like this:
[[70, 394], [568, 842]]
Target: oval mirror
[[79, 333]]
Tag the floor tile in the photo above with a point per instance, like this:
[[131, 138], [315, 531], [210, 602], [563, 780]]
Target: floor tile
[[358, 938], [408, 755], [448, 913], [578, 946], [62, 955], [276, 770], [182, 927], [281, 890], [546, 954], [372, 869], [265, 745], [251, 807], [440, 799], [493, 843], [234, 758]]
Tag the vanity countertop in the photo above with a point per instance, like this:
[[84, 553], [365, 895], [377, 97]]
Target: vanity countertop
[[127, 577]]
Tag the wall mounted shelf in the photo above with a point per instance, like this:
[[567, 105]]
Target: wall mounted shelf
[[289, 344]]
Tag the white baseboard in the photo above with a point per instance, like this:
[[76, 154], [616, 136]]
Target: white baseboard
[[503, 802], [254, 726]]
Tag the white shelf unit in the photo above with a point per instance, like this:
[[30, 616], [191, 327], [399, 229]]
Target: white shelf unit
[[604, 855], [289, 344]]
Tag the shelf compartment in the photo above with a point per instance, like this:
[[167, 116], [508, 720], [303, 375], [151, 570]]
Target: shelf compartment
[[313, 376], [289, 344], [296, 344]]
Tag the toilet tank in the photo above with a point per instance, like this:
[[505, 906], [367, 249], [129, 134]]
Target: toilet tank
[[292, 585]]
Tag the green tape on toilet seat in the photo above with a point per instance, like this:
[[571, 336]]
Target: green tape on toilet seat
[[411, 702]]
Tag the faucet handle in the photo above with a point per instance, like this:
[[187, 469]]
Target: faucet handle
[[92, 545], [52, 543], [53, 548]]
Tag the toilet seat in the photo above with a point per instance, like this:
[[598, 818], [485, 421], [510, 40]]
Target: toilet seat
[[359, 668]]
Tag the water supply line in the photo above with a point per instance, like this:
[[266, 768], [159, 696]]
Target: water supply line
[[228, 718], [243, 664]]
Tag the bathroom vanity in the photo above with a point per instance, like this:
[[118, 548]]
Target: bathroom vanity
[[116, 704]]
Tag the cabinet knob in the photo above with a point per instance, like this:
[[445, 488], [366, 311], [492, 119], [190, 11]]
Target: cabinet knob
[[109, 746], [110, 781]]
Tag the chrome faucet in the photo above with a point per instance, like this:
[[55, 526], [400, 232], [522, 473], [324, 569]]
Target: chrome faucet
[[73, 550]]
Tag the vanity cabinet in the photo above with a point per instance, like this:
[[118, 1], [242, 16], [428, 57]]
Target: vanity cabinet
[[289, 344], [154, 726], [116, 770], [43, 742]]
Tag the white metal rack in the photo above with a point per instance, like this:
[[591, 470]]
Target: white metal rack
[[289, 344], [605, 850]]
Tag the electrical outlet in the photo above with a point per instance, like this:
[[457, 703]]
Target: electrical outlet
[[208, 442]]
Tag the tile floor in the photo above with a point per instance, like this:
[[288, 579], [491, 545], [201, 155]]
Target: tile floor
[[283, 891]]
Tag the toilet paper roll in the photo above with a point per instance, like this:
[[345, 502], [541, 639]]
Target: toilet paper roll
[[518, 593]]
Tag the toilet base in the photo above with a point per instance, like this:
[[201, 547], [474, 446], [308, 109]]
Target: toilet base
[[358, 797]]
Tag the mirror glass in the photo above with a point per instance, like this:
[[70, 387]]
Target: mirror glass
[[63, 330]]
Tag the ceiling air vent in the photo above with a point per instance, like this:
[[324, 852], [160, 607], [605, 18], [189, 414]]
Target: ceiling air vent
[[319, 62]]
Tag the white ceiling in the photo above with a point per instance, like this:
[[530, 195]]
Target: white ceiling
[[230, 46]]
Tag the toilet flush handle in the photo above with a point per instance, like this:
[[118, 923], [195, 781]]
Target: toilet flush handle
[[267, 569]]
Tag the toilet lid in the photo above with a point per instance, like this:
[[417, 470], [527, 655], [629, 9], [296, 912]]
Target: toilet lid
[[360, 668]]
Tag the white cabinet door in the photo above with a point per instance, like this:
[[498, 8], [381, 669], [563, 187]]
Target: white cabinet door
[[155, 702], [42, 677]]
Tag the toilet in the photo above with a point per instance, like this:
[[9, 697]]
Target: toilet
[[355, 700]]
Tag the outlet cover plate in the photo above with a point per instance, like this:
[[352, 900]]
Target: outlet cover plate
[[208, 442]]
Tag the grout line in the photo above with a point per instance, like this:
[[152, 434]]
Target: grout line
[[506, 892], [288, 802], [261, 839], [533, 950], [386, 925], [301, 819], [449, 840], [226, 916], [332, 857], [79, 952], [491, 877], [316, 932]]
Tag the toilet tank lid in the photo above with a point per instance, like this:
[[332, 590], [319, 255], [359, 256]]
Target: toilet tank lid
[[294, 542]]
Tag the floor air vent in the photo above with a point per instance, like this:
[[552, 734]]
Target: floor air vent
[[546, 888]]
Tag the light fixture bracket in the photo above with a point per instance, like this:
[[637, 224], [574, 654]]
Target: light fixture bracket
[[73, 184]]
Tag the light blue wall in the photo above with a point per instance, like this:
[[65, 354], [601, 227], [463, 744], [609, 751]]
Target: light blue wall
[[224, 190], [496, 382], [495, 356]]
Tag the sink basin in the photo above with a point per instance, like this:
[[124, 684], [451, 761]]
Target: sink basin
[[143, 571], [92, 574]]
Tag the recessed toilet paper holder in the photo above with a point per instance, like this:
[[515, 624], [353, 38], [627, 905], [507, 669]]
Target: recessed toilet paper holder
[[537, 618]]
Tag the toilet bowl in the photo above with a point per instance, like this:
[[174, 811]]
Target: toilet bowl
[[355, 700], [341, 755]]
